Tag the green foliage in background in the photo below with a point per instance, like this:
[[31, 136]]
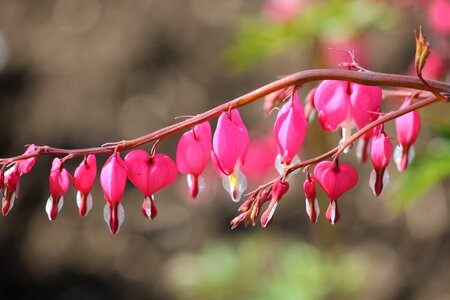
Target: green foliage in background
[[426, 172], [332, 20], [266, 267]]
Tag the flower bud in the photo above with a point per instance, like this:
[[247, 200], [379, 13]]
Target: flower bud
[[113, 178], [83, 180], [380, 153], [59, 185], [11, 185], [407, 127], [312, 205], [193, 153], [279, 188], [230, 143], [24, 166], [290, 130]]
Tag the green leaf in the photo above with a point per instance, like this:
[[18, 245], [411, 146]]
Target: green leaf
[[421, 176]]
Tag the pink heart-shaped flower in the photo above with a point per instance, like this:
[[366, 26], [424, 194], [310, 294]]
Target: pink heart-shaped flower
[[150, 174], [335, 180]]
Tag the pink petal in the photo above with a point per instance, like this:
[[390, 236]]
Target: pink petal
[[150, 174], [203, 134], [85, 173], [309, 187], [59, 179], [25, 166], [439, 16], [333, 215], [335, 180], [332, 100], [162, 174], [236, 118], [407, 126], [365, 103], [290, 129], [261, 154], [113, 178], [230, 142], [380, 150], [193, 153]]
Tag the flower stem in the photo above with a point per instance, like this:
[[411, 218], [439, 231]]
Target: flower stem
[[296, 79]]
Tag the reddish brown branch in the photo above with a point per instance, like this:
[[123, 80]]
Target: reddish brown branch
[[367, 78]]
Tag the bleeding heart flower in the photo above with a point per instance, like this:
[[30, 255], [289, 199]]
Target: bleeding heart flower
[[407, 127], [83, 180], [335, 180], [59, 185], [312, 205], [230, 143], [279, 188], [283, 11], [439, 16], [11, 180], [290, 131], [380, 153], [346, 105], [193, 153], [25, 166], [150, 174], [261, 154], [113, 179]]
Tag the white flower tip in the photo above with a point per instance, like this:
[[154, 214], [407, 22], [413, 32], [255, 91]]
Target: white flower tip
[[54, 206], [235, 184], [373, 180], [110, 220]]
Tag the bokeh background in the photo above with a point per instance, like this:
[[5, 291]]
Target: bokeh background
[[79, 73]]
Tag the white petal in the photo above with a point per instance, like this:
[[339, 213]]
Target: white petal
[[281, 168], [372, 180], [316, 206], [200, 182], [48, 206], [385, 178], [333, 212], [106, 214], [89, 202], [312, 115], [235, 184], [190, 180], [308, 211], [120, 214], [78, 199], [272, 211], [278, 165], [148, 206], [398, 155], [411, 154], [60, 203]]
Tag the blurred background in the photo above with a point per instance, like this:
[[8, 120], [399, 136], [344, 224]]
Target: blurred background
[[79, 73]]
